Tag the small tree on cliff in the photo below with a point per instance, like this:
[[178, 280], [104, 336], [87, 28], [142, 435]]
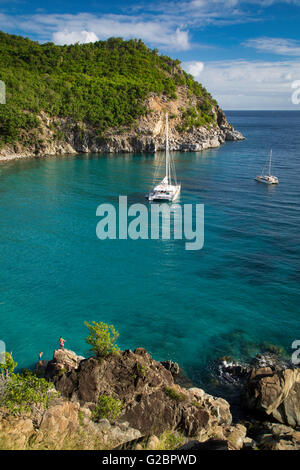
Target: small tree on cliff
[[102, 338], [8, 366]]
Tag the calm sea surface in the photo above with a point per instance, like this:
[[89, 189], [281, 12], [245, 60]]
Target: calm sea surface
[[237, 293]]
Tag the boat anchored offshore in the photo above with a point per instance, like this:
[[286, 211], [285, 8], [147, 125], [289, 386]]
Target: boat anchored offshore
[[167, 189], [267, 179]]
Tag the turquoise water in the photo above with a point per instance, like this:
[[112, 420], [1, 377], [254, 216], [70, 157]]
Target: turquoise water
[[239, 291]]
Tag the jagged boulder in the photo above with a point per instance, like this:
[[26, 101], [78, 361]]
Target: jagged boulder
[[63, 361], [173, 367], [225, 438], [275, 393], [274, 436], [152, 402], [64, 425], [60, 420]]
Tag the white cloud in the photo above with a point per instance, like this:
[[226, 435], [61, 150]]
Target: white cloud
[[241, 84], [165, 24], [194, 68], [67, 37], [197, 13], [82, 27], [275, 45]]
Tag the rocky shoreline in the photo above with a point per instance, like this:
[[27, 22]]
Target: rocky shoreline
[[157, 413], [61, 136]]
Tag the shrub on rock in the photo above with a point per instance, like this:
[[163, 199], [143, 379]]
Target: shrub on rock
[[102, 338]]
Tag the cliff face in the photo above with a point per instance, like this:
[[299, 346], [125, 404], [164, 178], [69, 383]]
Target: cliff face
[[129, 400], [150, 402], [57, 136]]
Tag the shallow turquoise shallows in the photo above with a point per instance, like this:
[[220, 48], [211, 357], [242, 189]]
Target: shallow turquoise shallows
[[240, 291]]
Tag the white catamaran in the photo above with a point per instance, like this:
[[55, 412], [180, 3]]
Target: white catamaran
[[267, 179], [167, 189]]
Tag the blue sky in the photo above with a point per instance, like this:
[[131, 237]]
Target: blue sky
[[246, 52]]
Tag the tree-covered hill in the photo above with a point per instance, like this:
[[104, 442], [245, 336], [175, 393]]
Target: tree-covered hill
[[104, 84]]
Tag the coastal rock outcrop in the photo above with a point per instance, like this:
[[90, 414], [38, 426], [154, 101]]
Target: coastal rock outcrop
[[276, 393], [60, 136], [63, 361], [154, 412], [64, 425], [273, 436], [151, 400]]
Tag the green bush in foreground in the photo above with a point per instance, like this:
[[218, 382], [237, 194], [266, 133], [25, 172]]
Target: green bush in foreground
[[102, 338], [22, 391], [107, 407], [9, 365]]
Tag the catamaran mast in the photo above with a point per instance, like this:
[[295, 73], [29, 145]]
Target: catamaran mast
[[270, 162], [167, 149]]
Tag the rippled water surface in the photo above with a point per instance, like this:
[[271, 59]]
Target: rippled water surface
[[240, 291]]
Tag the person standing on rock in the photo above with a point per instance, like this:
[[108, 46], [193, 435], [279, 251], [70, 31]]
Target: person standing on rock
[[40, 358], [62, 342]]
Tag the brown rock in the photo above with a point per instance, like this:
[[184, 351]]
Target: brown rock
[[63, 361], [15, 432], [275, 393], [60, 420], [152, 402], [272, 436]]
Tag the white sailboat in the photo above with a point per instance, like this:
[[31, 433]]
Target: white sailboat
[[167, 189], [267, 179]]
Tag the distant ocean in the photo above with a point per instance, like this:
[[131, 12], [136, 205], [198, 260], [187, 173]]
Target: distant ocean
[[240, 292]]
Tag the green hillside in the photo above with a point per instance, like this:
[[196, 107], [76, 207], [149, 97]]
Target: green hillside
[[103, 83]]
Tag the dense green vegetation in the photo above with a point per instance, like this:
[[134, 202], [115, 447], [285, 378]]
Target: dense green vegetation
[[8, 366], [20, 392], [196, 116], [103, 83]]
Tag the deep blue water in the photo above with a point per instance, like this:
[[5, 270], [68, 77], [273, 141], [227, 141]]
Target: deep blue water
[[239, 291]]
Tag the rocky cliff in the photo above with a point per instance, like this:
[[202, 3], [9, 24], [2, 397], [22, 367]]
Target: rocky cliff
[[154, 411], [58, 136]]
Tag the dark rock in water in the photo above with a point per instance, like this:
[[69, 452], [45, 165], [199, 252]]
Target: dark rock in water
[[237, 373], [40, 368], [269, 359], [173, 367], [211, 444], [263, 388]]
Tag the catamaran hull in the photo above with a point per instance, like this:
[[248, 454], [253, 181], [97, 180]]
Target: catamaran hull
[[164, 197], [262, 180], [158, 197]]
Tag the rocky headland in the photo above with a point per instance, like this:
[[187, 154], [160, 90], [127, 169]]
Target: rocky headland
[[103, 97], [155, 412], [59, 136]]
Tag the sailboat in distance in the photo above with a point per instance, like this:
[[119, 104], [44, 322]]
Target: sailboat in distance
[[167, 189], [267, 179]]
